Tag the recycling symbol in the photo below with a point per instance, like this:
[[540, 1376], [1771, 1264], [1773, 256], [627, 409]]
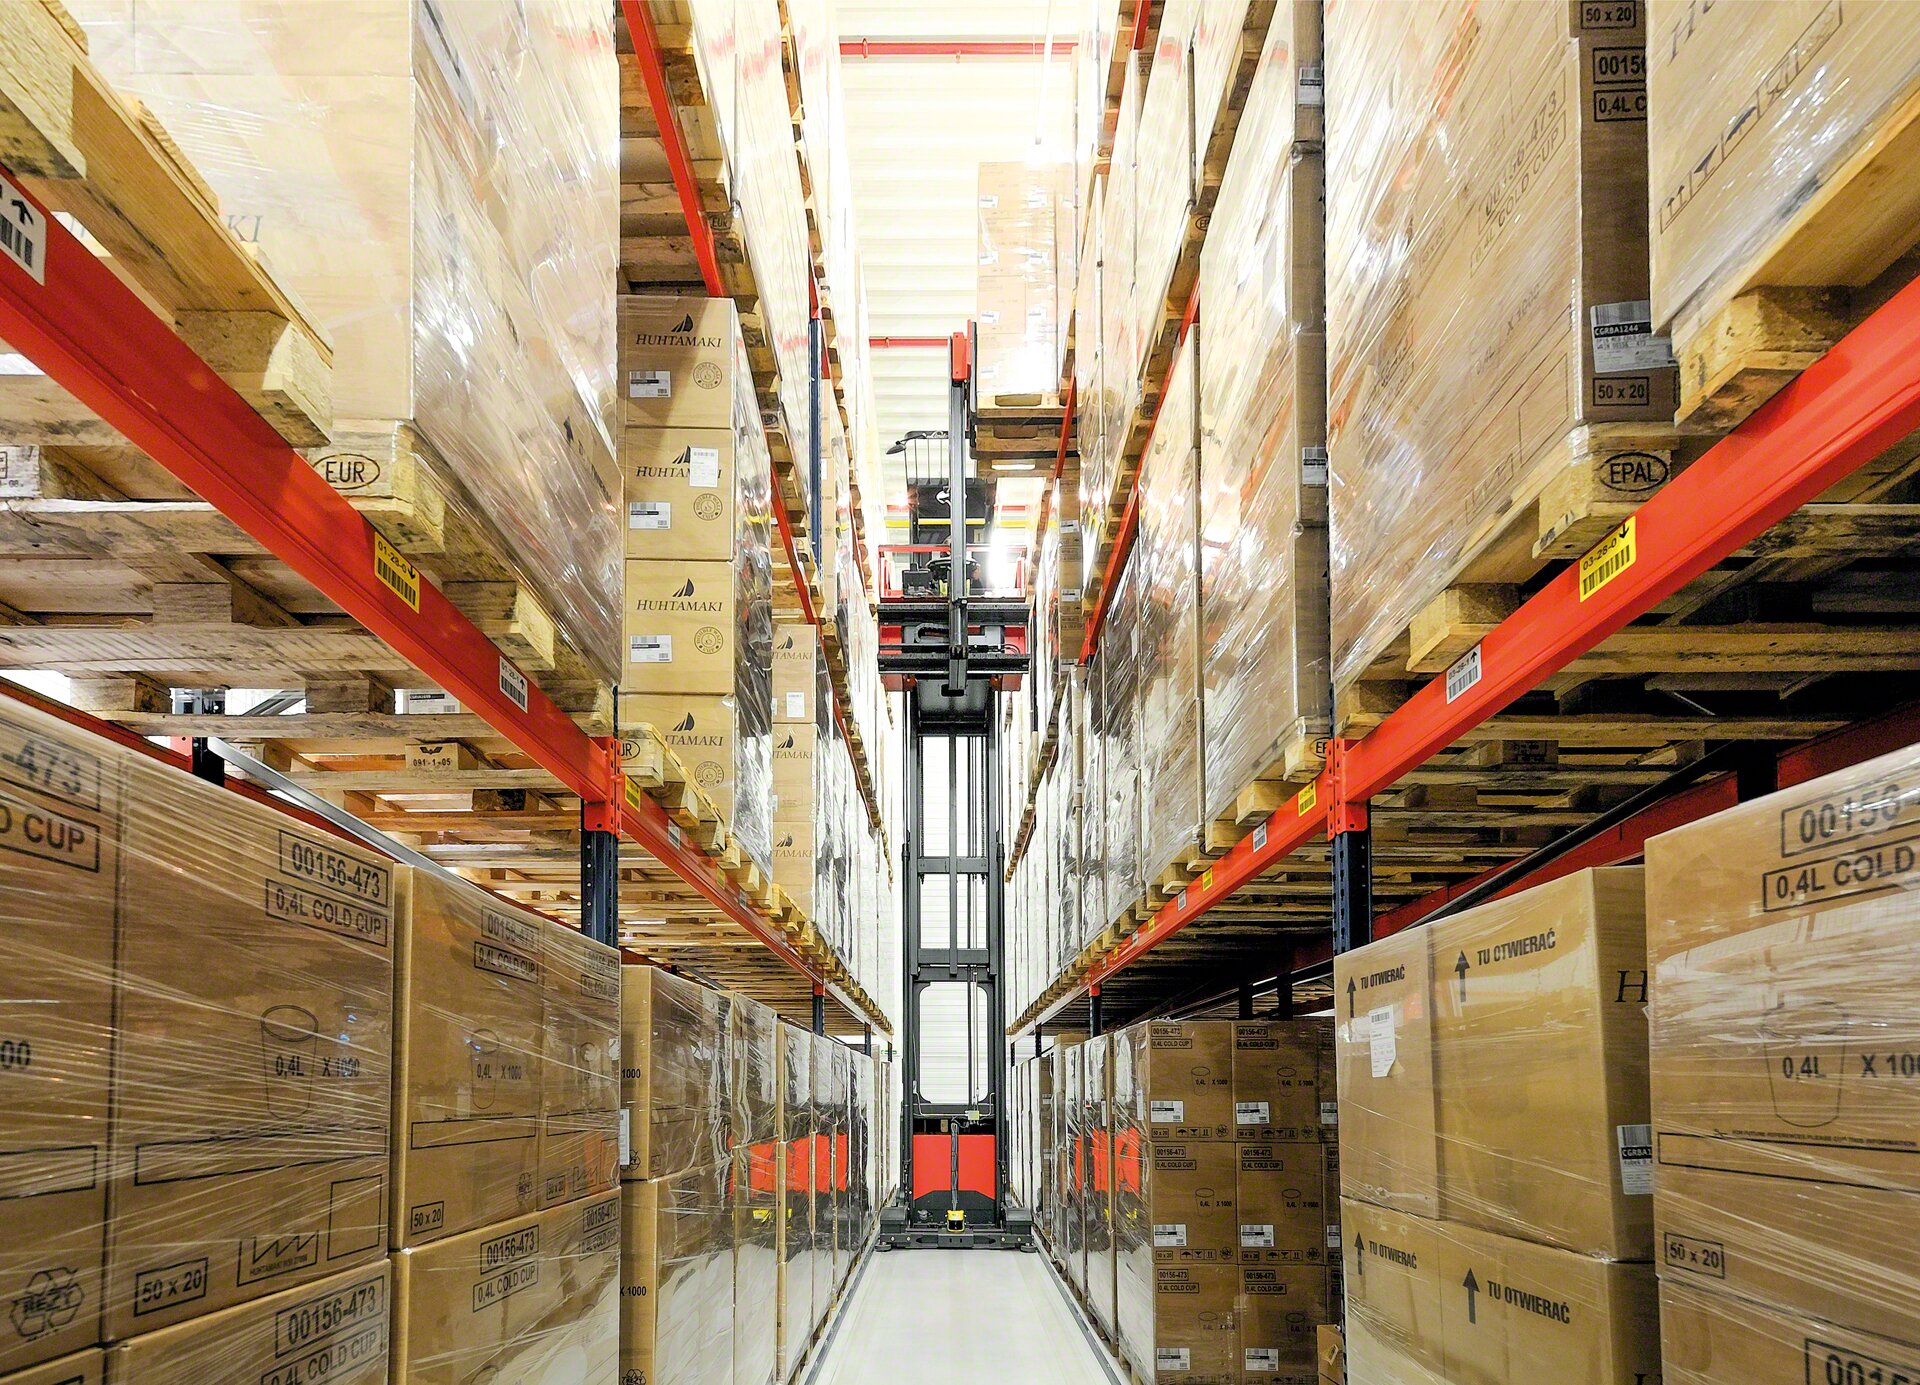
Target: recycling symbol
[[51, 1301]]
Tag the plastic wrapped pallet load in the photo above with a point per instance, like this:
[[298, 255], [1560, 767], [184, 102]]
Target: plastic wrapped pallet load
[[438, 185], [1263, 469], [1486, 283], [1019, 242], [1119, 728]]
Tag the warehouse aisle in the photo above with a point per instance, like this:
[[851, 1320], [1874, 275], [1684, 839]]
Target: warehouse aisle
[[937, 1317]]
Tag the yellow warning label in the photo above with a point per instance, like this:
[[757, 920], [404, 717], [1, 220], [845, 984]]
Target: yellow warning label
[[633, 793], [1303, 803], [396, 574], [1609, 558], [1206, 881]]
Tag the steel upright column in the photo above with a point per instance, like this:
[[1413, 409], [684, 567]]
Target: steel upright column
[[600, 886], [819, 1010], [1351, 833]]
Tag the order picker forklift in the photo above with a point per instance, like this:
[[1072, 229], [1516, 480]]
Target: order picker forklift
[[950, 646]]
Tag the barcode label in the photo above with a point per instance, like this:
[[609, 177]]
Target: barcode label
[[1464, 673], [1172, 1358], [513, 684], [1623, 338], [796, 706], [649, 384], [1167, 1111], [1313, 85], [650, 649], [1254, 1237], [23, 232], [649, 514], [703, 467], [1170, 1235], [1636, 1159], [1249, 1113], [1313, 466]]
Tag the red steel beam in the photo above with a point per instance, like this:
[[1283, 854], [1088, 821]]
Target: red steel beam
[[653, 74], [906, 343], [1840, 413], [951, 48]]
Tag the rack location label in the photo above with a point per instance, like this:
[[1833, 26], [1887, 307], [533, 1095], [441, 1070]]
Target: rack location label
[[1607, 559], [396, 574]]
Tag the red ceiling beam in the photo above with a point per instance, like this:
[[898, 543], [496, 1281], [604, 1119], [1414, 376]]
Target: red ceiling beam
[[951, 48]]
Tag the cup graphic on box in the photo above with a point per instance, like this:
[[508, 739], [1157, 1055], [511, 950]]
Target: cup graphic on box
[[483, 1051], [289, 1058], [1806, 1046]]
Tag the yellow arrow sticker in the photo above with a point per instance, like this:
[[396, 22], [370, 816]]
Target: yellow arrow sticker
[[396, 574], [1307, 797]]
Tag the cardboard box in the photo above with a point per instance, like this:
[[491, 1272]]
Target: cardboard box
[[677, 361], [254, 1040], [334, 1332], [82, 1368], [795, 753], [1540, 1063], [59, 849], [1784, 1039], [794, 859], [675, 1077], [580, 1077], [680, 627], [706, 733], [756, 1263], [1188, 1078], [469, 1060], [1280, 1308], [1449, 1302], [1277, 1071], [1190, 1202], [681, 493], [1196, 1325], [1281, 1195], [1330, 1354], [676, 1279], [533, 1298], [796, 662], [1383, 1050], [1710, 1337]]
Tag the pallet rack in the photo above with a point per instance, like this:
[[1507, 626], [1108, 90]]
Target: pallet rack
[[1846, 409], [97, 339]]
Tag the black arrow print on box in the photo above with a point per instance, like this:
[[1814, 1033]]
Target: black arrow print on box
[[1473, 1300], [22, 213], [1351, 988], [1460, 969], [1360, 1256]]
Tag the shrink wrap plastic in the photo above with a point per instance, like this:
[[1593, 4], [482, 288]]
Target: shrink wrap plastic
[[676, 1073], [1089, 383], [1165, 564], [1075, 1174], [1025, 242], [1097, 1180], [676, 1281], [438, 184], [1786, 1080], [1099, 23], [755, 1197], [1760, 119], [1262, 388], [829, 1090], [1487, 286], [1091, 859], [1119, 342], [1162, 175], [1123, 745], [794, 1176], [198, 1037]]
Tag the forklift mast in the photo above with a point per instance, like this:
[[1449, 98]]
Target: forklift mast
[[951, 657]]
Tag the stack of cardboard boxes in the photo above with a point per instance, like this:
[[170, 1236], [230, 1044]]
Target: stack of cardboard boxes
[[698, 643], [1786, 1084], [248, 1062], [1495, 1170], [505, 1229], [740, 1151], [1027, 269], [801, 699], [1194, 1195]]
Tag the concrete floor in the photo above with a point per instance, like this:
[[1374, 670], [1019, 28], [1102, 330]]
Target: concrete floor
[[960, 1317]]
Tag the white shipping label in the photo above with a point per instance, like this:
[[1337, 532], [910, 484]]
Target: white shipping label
[[1623, 338], [650, 649], [1313, 85], [796, 705], [649, 384], [1313, 466], [1256, 1237], [1463, 673], [513, 683], [703, 467], [1329, 1113], [1165, 1112], [1172, 1359], [1333, 1235], [23, 232], [1636, 1160], [1382, 1044], [626, 1137], [1170, 1235], [649, 514], [1249, 1113], [1262, 1360]]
